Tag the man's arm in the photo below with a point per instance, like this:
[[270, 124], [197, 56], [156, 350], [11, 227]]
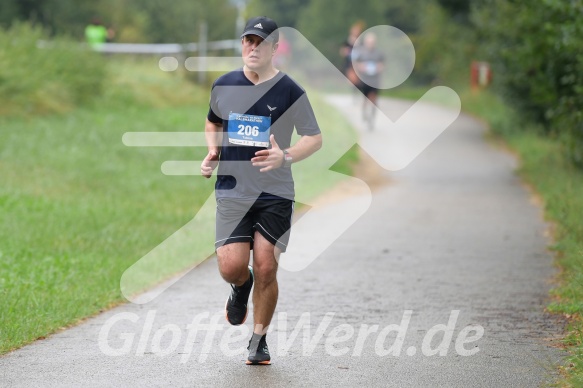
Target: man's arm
[[272, 158], [214, 136], [305, 147]]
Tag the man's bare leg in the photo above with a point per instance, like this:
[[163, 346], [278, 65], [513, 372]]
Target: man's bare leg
[[233, 260], [265, 293]]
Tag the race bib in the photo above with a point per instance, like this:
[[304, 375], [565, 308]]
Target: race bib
[[371, 68], [249, 130]]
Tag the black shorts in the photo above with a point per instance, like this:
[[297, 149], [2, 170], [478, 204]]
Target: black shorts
[[238, 220], [366, 89]]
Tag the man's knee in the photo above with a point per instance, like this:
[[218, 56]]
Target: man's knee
[[264, 268], [233, 262]]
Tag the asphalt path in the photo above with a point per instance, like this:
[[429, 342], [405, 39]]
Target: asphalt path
[[442, 282]]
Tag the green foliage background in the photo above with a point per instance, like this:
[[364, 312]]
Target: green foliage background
[[45, 80], [153, 21], [534, 48], [537, 56]]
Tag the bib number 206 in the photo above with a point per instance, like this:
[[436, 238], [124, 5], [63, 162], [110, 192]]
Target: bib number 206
[[248, 130]]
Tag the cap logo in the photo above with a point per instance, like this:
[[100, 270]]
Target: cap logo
[[258, 25]]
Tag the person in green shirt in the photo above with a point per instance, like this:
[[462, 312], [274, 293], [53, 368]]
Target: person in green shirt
[[95, 33]]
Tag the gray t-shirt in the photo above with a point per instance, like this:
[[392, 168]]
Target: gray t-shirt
[[372, 60], [249, 113]]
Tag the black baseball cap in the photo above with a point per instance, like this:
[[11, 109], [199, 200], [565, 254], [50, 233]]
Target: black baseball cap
[[262, 26]]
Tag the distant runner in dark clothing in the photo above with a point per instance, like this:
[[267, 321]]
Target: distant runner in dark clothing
[[369, 63]]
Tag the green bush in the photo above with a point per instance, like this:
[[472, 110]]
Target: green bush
[[54, 77], [536, 52], [443, 49]]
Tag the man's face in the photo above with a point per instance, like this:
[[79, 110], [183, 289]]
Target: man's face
[[257, 53], [370, 41]]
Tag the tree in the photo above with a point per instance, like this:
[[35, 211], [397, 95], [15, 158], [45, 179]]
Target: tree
[[459, 10], [156, 21], [285, 12], [325, 23], [537, 56]]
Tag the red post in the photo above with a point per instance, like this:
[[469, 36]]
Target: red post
[[480, 75]]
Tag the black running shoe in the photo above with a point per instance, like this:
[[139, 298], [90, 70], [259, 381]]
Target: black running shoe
[[236, 307], [258, 351]]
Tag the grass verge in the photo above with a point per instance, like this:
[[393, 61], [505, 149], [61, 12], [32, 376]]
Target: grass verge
[[78, 207]]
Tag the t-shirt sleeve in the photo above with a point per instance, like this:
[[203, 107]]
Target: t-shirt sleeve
[[303, 116], [213, 112]]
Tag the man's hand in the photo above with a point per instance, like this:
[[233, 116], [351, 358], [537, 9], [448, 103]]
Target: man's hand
[[209, 163], [269, 159]]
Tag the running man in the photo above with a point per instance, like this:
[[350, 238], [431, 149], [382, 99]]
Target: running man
[[369, 61], [252, 115]]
